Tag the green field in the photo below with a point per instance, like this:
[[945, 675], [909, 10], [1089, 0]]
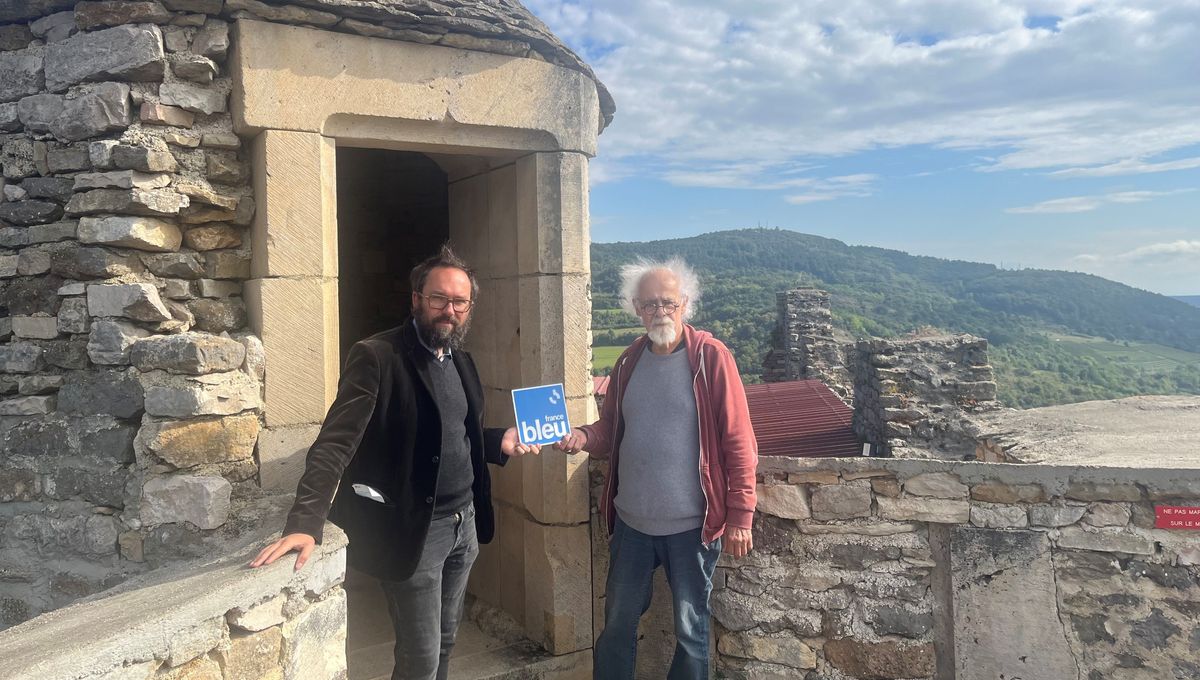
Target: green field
[[1145, 356], [604, 356]]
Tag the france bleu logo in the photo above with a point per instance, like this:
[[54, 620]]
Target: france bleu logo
[[541, 414]]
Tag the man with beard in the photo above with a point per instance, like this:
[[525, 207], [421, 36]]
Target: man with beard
[[676, 429], [400, 465]]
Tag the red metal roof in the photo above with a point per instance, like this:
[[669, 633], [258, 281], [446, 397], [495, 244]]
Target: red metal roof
[[801, 418], [599, 385]]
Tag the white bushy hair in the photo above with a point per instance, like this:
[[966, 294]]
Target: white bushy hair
[[633, 273]]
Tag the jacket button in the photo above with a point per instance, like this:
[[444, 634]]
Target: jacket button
[[429, 499], [436, 459]]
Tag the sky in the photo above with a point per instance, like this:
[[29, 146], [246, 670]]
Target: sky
[[1053, 134]]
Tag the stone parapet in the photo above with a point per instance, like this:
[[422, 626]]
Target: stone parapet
[[212, 618]]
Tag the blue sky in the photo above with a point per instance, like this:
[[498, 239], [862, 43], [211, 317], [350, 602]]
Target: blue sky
[[1035, 133]]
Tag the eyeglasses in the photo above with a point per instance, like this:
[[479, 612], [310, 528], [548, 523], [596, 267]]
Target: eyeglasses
[[439, 302], [650, 306]]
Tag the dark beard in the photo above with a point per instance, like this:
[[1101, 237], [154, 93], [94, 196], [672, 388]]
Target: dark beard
[[451, 340]]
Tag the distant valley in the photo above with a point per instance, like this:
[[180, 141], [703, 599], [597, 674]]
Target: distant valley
[[1057, 337]]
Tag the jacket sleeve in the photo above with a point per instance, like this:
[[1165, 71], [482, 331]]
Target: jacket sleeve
[[739, 448], [334, 448], [492, 437]]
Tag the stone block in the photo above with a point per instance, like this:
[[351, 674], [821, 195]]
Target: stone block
[[121, 179], [20, 357], [880, 660], [202, 501], [255, 656], [192, 97], [141, 233], [550, 108], [785, 500], [138, 301], [192, 353], [314, 641], [196, 641], [281, 454], [27, 212], [52, 233], [36, 113], [212, 40], [28, 406], [21, 73], [35, 327], [555, 322], [994, 516], [554, 487], [180, 396], [295, 227], [10, 120], [203, 668], [67, 160], [224, 167], [221, 140], [15, 37], [814, 477], [196, 6], [161, 114], [92, 263], [53, 188], [129, 53], [227, 264], [93, 110], [780, 648], [205, 441], [109, 341], [195, 68], [213, 236], [936, 485], [219, 289], [1005, 571], [1103, 491], [152, 202], [841, 501], [552, 213], [55, 27], [290, 14], [558, 589], [258, 617], [1107, 515], [936, 510], [142, 159], [1105, 540], [103, 392], [175, 265], [297, 322], [219, 315], [202, 192], [8, 266], [68, 354], [39, 384], [33, 262], [95, 13]]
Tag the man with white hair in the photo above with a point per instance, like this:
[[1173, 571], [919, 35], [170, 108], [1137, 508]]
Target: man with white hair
[[676, 429]]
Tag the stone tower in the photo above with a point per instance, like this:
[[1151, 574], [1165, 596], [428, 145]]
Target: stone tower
[[804, 344], [180, 265]]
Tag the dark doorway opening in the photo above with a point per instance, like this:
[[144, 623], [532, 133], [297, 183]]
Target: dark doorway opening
[[393, 212]]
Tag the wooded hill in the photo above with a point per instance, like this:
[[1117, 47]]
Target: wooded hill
[[1057, 337]]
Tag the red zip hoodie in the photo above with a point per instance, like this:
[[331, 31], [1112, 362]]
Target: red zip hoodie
[[728, 450]]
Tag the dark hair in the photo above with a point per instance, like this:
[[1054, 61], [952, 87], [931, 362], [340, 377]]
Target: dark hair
[[445, 257]]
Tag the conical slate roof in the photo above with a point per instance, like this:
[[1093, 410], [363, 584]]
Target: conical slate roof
[[488, 25]]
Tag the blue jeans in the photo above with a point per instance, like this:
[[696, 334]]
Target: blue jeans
[[427, 607], [689, 565]]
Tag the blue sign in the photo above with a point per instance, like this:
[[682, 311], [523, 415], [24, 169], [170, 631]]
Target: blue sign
[[541, 414]]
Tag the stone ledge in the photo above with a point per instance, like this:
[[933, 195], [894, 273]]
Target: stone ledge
[[144, 615]]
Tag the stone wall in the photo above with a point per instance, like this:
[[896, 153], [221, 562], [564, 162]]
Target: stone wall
[[919, 396], [913, 397], [129, 382], [209, 620], [804, 343], [886, 569]]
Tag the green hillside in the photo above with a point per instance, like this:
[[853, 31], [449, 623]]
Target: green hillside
[[1057, 336]]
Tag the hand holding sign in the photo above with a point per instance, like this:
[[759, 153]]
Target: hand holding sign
[[541, 414]]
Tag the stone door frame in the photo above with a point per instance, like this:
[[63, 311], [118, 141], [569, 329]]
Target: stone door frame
[[514, 135]]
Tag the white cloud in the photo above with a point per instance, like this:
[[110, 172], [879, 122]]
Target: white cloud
[[1129, 166], [705, 84], [1181, 248], [1077, 204]]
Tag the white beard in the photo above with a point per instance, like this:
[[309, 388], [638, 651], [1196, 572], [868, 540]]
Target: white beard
[[662, 334]]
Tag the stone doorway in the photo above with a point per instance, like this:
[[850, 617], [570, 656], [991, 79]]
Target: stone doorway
[[393, 212]]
